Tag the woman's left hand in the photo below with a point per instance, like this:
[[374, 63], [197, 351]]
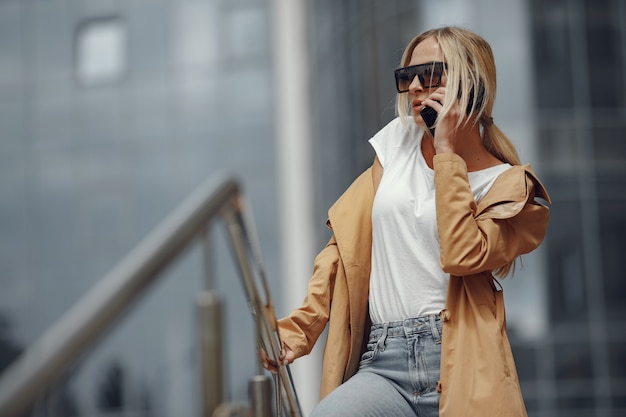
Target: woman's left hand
[[286, 357]]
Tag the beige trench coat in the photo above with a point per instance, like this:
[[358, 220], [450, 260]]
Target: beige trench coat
[[478, 376]]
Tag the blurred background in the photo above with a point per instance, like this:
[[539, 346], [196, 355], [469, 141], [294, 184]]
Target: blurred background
[[111, 112]]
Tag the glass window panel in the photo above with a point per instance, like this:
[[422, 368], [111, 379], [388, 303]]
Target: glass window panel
[[617, 359], [565, 252], [558, 144], [532, 404], [552, 54], [525, 356], [613, 238], [604, 52], [609, 144], [619, 401], [101, 51], [573, 363], [606, 86]]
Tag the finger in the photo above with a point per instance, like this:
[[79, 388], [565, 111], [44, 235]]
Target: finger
[[270, 365], [266, 362], [284, 358], [435, 104], [440, 92], [438, 98], [290, 357]]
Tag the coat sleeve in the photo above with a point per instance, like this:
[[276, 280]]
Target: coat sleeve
[[301, 329], [472, 243]]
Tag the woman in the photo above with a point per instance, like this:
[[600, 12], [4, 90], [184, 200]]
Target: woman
[[406, 283]]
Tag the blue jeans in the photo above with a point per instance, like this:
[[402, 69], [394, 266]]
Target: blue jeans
[[397, 375]]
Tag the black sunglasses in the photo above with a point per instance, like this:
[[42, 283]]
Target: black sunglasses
[[429, 74]]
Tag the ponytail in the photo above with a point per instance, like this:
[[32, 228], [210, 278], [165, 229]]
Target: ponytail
[[497, 143]]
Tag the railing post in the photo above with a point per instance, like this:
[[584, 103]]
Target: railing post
[[260, 393], [210, 333]]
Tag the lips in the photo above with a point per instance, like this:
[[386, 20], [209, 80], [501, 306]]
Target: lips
[[416, 103]]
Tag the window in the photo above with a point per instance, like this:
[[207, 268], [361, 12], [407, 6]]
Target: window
[[101, 51]]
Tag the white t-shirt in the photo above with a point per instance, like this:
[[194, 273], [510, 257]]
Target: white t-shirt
[[406, 279]]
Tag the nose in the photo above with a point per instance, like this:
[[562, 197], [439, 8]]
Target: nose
[[415, 84]]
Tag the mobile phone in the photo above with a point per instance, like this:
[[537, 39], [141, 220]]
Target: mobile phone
[[429, 115]]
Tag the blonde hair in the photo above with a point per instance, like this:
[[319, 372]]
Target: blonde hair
[[471, 76], [471, 73]]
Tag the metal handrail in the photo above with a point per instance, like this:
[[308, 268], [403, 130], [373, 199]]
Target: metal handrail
[[41, 365]]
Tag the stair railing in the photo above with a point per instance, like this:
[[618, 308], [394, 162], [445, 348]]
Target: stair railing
[[43, 363]]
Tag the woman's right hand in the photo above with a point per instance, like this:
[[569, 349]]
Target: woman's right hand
[[286, 357]]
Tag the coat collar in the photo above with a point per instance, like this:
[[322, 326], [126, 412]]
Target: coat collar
[[510, 192], [350, 218]]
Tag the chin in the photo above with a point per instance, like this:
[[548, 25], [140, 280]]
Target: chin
[[419, 121]]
